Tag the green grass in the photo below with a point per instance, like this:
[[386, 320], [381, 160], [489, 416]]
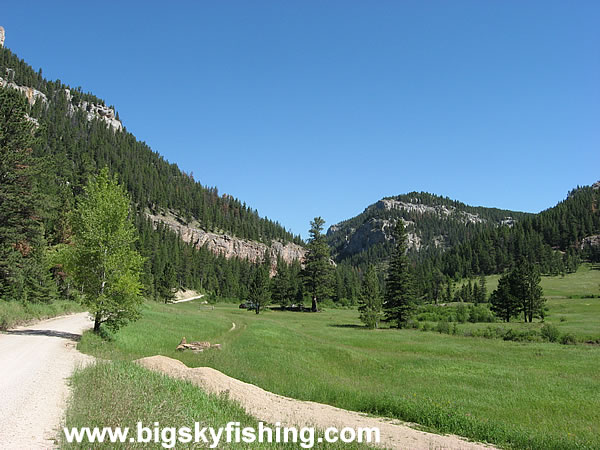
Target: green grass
[[573, 303], [121, 394], [583, 283], [535, 395], [17, 313]]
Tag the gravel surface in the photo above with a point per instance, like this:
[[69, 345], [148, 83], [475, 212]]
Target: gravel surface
[[35, 362]]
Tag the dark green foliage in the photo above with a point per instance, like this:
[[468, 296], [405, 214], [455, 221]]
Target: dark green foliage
[[371, 301], [259, 295], [503, 302], [286, 283], [167, 283], [68, 151], [23, 272], [525, 285], [318, 271], [519, 291], [399, 290], [428, 225]]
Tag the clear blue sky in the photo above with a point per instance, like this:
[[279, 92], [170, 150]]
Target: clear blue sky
[[306, 108]]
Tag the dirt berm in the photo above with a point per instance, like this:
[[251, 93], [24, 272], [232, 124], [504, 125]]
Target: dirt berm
[[273, 408]]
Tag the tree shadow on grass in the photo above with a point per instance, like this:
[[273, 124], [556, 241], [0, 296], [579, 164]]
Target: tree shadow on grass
[[49, 333], [347, 325]]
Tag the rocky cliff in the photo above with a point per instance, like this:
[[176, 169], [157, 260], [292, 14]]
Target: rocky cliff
[[92, 110], [432, 222], [230, 246]]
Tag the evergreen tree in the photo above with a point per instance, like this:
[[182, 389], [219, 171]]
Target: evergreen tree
[[101, 260], [482, 291], [371, 302], [23, 272], [399, 291], [259, 294], [318, 270], [167, 283], [282, 289], [503, 303], [525, 285]]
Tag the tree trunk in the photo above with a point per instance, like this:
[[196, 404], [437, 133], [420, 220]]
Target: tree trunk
[[257, 308], [97, 323], [314, 304]]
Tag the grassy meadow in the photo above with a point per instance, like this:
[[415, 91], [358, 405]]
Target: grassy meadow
[[512, 394], [573, 305]]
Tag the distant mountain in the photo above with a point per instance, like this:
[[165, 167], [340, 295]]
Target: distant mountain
[[433, 223]]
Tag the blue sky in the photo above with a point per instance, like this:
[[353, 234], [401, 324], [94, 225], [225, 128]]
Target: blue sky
[[313, 108]]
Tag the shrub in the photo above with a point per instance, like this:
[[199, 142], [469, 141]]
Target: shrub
[[568, 339], [480, 313], [411, 323], [521, 336], [461, 313], [443, 327], [550, 333]]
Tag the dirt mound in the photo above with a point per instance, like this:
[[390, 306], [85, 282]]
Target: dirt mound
[[273, 408]]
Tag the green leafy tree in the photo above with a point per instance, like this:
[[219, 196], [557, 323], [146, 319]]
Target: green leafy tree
[[318, 271], [399, 288], [370, 300], [101, 259], [260, 294]]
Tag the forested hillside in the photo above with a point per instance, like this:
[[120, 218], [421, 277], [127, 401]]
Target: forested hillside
[[551, 239], [433, 223], [53, 139], [76, 147]]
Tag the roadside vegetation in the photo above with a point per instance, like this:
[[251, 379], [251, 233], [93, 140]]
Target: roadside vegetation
[[15, 313], [512, 394], [121, 394]]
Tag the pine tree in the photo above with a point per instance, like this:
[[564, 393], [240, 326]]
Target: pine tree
[[399, 291], [23, 275], [317, 274], [371, 302], [525, 286], [259, 294], [503, 303]]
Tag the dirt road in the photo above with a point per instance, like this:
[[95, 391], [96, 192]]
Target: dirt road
[[35, 362]]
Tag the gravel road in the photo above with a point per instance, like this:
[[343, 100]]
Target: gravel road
[[35, 362]]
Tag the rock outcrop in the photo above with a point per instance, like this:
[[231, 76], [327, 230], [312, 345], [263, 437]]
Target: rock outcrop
[[2, 36], [229, 246], [92, 110], [441, 210], [32, 94], [95, 111], [591, 242]]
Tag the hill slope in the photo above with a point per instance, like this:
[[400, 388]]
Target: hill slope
[[432, 222]]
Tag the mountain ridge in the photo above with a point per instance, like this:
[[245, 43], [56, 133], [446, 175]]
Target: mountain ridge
[[432, 221]]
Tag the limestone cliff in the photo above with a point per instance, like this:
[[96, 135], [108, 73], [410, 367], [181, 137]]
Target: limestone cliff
[[230, 246]]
